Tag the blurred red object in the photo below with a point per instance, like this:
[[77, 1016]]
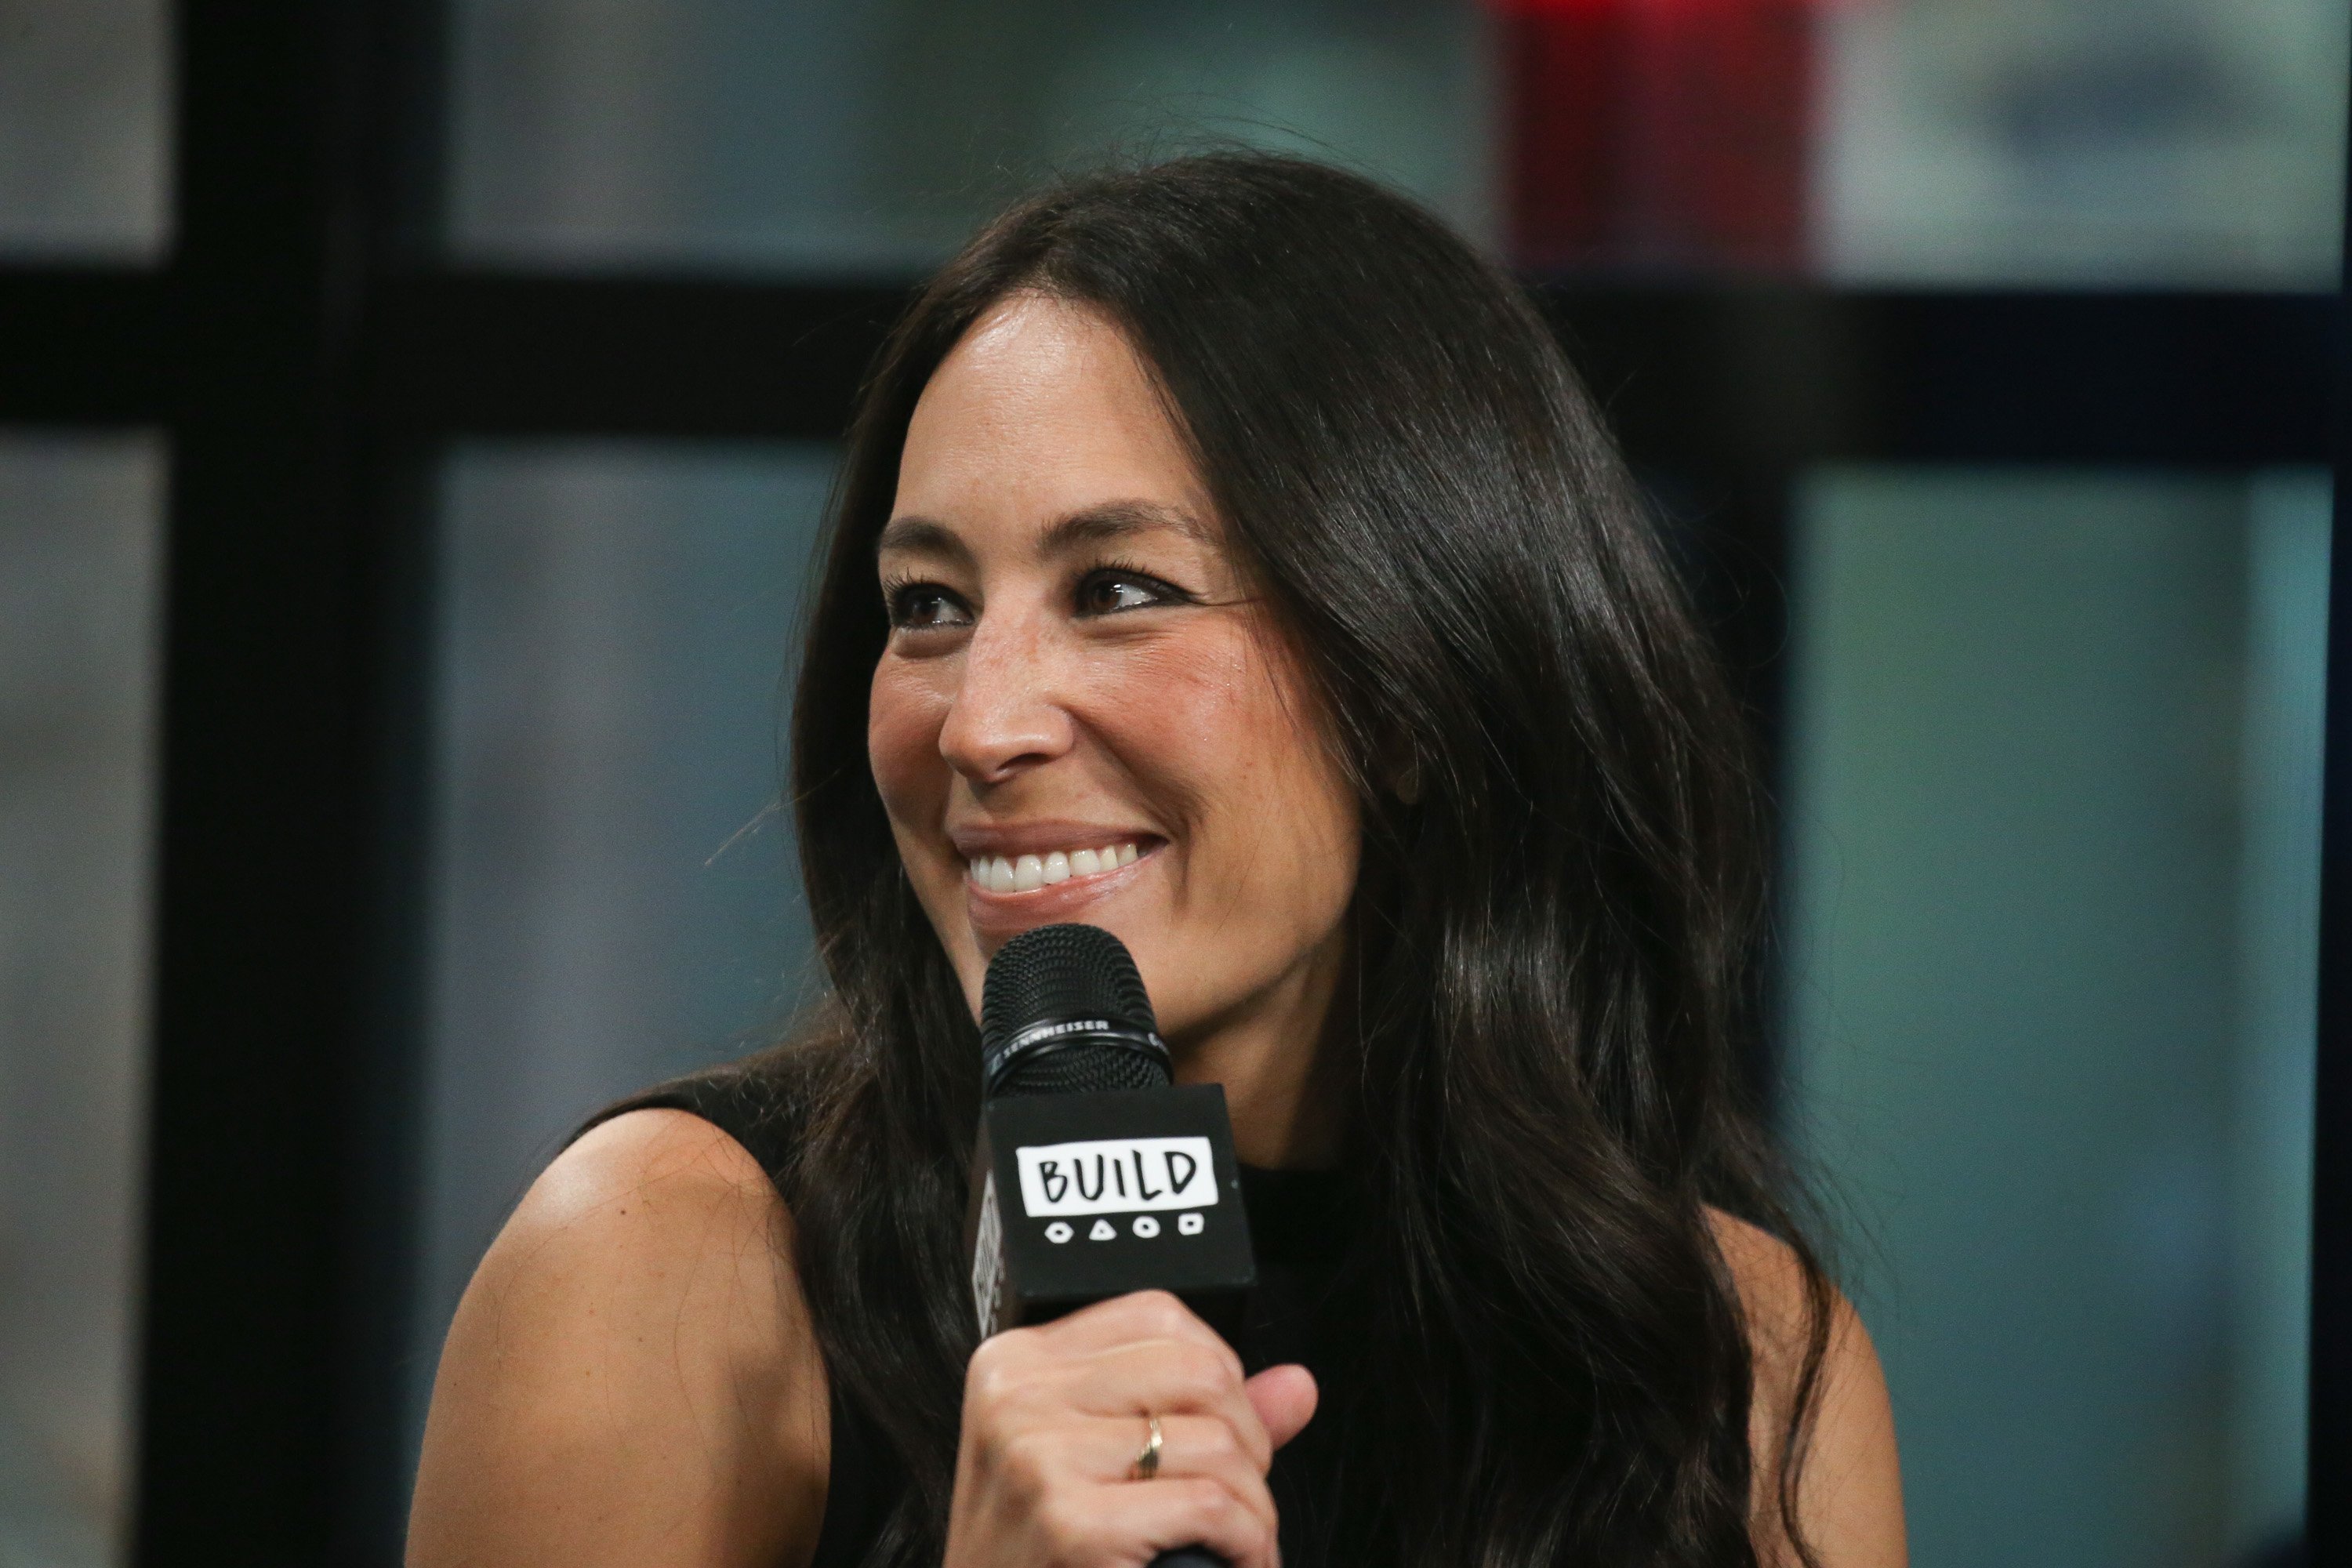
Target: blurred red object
[[1666, 134]]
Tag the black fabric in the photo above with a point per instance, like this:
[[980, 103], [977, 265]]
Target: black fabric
[[1301, 1222]]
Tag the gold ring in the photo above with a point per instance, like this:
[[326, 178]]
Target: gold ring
[[1147, 1460]]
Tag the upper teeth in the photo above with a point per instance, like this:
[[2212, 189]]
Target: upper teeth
[[1019, 875]]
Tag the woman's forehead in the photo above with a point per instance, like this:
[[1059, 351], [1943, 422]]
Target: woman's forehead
[[1042, 421]]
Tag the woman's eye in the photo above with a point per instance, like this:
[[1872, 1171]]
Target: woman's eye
[[918, 606], [1107, 593]]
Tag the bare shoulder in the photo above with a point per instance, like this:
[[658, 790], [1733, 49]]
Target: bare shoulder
[[1850, 1487], [631, 1376]]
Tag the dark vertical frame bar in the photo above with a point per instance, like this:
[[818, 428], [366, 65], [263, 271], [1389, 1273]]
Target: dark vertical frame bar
[[277, 1185], [2327, 1505]]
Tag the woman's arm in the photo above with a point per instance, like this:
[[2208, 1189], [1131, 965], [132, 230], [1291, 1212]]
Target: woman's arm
[[1849, 1489], [631, 1378]]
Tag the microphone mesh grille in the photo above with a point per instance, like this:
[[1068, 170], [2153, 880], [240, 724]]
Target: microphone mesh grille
[[1083, 1068], [1059, 973]]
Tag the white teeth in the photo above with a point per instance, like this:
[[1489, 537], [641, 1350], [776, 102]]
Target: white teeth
[[1029, 872]]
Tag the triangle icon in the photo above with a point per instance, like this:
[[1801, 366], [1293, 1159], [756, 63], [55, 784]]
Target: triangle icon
[[1101, 1232]]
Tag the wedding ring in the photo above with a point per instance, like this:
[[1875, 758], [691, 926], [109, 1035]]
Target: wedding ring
[[1147, 1460]]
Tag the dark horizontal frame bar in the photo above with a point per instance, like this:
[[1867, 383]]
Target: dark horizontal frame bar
[[1767, 379], [1704, 377], [522, 355], [86, 346]]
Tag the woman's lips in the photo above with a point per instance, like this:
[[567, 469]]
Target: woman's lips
[[1029, 873], [996, 915]]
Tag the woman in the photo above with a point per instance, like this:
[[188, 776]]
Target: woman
[[1225, 556]]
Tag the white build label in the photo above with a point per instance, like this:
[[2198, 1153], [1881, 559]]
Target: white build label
[[1115, 1175]]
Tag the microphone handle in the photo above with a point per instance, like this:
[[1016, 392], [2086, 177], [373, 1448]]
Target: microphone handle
[[1189, 1557]]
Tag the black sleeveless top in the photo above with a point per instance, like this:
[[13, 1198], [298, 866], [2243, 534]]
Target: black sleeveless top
[[1300, 1225]]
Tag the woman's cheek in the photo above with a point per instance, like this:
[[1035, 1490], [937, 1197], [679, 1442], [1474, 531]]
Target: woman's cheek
[[903, 717]]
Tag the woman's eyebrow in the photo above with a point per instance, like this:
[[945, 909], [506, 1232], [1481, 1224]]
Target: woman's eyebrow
[[1120, 520], [920, 535]]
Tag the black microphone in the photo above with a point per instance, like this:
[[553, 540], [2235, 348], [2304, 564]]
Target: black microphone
[[1094, 1175]]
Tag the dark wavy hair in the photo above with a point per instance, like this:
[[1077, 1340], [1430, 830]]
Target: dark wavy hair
[[1553, 946]]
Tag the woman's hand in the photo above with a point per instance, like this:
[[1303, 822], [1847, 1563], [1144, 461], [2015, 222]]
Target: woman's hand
[[1054, 1418]]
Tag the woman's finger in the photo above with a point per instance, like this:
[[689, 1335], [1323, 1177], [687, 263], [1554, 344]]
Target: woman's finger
[[1108, 1449], [1130, 1522], [1141, 1315], [1284, 1398], [1010, 1395], [1160, 1377], [1191, 1510]]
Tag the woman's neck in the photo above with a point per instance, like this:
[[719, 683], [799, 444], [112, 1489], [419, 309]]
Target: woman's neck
[[1274, 1055]]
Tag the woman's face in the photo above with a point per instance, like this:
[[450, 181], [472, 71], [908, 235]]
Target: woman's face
[[1082, 713]]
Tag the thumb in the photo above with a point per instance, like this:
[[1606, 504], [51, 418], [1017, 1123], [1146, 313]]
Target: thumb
[[1284, 1397]]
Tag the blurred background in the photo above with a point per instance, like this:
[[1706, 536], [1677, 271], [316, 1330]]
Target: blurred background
[[2038, 660]]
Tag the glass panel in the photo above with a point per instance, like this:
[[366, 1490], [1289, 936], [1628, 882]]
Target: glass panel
[[2186, 141], [831, 135], [1951, 140], [2083, 140], [80, 551], [2055, 840], [616, 896], [85, 128]]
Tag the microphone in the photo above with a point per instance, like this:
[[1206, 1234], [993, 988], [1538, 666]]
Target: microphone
[[1094, 1175]]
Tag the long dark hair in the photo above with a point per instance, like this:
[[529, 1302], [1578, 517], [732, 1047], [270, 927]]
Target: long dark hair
[[1553, 944]]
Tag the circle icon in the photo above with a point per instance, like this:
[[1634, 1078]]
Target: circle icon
[[1146, 1227], [1190, 1223], [1059, 1232]]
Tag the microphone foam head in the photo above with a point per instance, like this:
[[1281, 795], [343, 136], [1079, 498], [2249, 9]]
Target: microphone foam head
[[1063, 1010]]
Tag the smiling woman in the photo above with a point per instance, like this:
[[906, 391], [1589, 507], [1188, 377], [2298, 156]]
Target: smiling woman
[[1077, 669], [1227, 558]]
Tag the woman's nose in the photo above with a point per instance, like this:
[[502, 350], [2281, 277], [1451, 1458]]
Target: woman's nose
[[1006, 715]]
